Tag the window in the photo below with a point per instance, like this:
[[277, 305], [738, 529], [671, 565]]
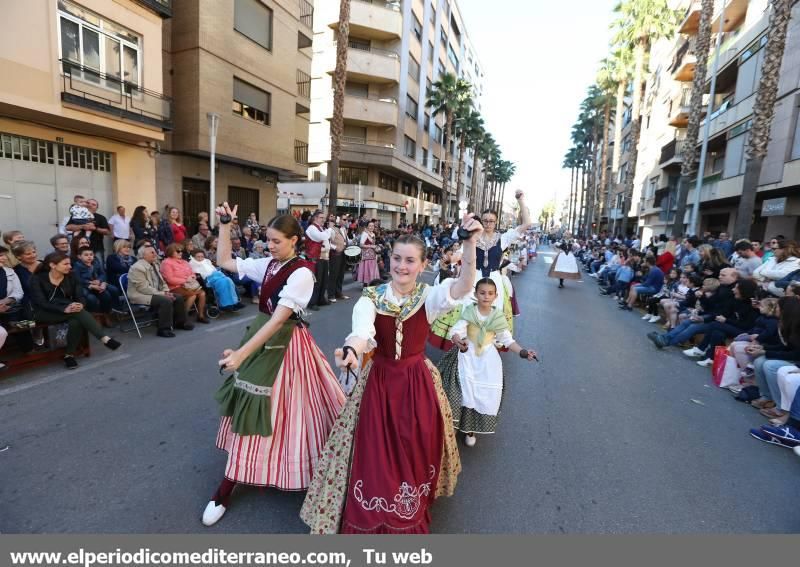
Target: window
[[651, 188], [749, 73], [443, 36], [352, 175], [358, 43], [430, 53], [623, 173], [425, 157], [354, 134], [438, 133], [413, 68], [253, 20], [452, 55], [428, 88], [41, 151], [417, 27], [99, 46], [441, 69], [251, 102], [469, 171], [386, 181], [412, 108], [410, 148], [735, 158], [427, 123], [356, 89]]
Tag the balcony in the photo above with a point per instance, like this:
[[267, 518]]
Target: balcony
[[679, 114], [106, 94], [161, 7], [684, 62], [735, 12], [691, 22], [371, 65], [374, 20], [301, 152], [306, 13], [671, 153], [370, 111]]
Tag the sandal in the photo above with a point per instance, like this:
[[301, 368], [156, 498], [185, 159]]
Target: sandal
[[772, 413], [762, 403], [778, 421]]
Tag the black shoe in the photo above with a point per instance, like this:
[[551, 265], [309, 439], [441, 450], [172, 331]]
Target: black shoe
[[166, 333], [238, 306], [70, 362], [656, 338], [561, 286], [185, 327], [112, 344], [626, 307]]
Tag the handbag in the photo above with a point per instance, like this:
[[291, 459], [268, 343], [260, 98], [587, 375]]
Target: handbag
[[57, 335], [725, 371]]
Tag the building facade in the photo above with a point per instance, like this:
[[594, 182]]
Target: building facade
[[249, 62], [82, 109], [392, 151]]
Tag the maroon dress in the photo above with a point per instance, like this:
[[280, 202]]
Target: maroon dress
[[399, 437]]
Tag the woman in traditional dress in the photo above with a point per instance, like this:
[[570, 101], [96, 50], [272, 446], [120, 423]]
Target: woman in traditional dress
[[368, 267], [282, 398], [472, 373], [393, 448], [565, 266], [490, 250]]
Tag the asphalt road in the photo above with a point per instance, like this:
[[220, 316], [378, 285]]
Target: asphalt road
[[602, 436]]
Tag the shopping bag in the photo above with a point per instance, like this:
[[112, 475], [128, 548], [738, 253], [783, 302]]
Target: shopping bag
[[725, 372]]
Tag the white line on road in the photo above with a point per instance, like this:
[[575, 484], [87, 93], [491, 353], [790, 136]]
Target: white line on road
[[53, 377]]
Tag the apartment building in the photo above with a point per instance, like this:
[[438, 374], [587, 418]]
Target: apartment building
[[249, 62], [392, 150], [744, 28], [82, 108]]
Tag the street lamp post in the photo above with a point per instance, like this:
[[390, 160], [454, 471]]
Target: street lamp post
[[213, 125], [419, 196]]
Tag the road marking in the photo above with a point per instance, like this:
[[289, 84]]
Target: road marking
[[211, 328], [53, 377]]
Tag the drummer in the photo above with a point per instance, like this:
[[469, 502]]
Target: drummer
[[338, 242]]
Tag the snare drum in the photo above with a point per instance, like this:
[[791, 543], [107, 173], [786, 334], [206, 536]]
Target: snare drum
[[352, 255]]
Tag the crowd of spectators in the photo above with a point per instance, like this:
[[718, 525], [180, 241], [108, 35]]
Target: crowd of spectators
[[712, 292]]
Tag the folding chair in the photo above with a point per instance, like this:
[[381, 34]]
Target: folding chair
[[134, 308]]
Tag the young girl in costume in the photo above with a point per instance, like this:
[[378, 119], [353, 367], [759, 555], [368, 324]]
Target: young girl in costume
[[281, 400], [472, 373], [393, 449]]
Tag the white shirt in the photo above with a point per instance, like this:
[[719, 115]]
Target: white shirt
[[298, 289], [14, 287], [204, 268], [121, 226], [318, 235]]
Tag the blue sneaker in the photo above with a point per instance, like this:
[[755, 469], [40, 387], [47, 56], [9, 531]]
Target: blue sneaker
[[767, 438], [786, 433]]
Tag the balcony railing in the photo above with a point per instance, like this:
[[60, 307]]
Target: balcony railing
[[672, 150], [303, 84], [111, 95], [368, 48], [389, 5], [353, 140], [160, 7], [306, 13], [301, 152]]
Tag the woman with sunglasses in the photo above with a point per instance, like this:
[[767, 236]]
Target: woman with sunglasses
[[489, 252]]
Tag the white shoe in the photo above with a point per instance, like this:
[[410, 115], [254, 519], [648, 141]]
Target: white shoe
[[469, 440], [655, 319], [646, 317], [706, 363], [332, 300], [213, 513], [797, 450], [694, 351]]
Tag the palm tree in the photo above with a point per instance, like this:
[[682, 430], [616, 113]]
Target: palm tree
[[571, 162], [641, 23], [468, 124], [447, 96], [606, 82], [763, 111], [475, 140], [507, 171], [621, 71], [689, 162], [490, 153], [337, 122]]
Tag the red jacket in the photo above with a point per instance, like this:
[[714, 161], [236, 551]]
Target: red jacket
[[665, 261]]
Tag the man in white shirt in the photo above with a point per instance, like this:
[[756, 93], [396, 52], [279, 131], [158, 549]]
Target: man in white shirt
[[316, 237], [337, 259], [120, 225]]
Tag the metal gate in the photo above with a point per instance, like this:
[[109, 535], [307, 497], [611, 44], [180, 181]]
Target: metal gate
[[196, 196], [247, 199]]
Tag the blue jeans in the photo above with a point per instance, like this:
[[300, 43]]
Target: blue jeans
[[766, 371], [645, 289], [684, 332], [245, 282]]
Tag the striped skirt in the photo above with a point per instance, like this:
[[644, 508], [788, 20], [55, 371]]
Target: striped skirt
[[306, 399]]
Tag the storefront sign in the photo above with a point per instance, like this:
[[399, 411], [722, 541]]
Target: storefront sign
[[774, 207]]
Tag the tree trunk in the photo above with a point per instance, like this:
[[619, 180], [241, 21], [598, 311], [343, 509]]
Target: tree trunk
[[446, 166], [473, 197], [689, 153], [636, 129], [571, 197], [603, 193], [337, 122], [617, 154], [763, 112], [462, 144]]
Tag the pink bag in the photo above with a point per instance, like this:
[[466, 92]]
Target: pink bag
[[725, 371]]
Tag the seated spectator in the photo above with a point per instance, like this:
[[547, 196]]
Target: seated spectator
[[651, 284], [181, 281], [11, 239], [745, 261], [671, 285], [712, 261], [202, 235], [75, 245], [784, 262], [769, 358], [147, 287], [100, 296], [764, 332], [724, 245], [60, 243], [758, 248], [210, 248], [223, 286], [27, 264], [259, 250], [666, 260], [142, 227], [237, 251], [741, 320], [784, 431], [769, 247], [682, 295], [248, 240], [120, 261], [689, 253], [57, 297]]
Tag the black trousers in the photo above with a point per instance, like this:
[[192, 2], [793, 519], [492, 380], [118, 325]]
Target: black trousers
[[169, 310], [321, 283], [336, 275]]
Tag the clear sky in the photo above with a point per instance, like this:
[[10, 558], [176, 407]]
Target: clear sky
[[539, 57]]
